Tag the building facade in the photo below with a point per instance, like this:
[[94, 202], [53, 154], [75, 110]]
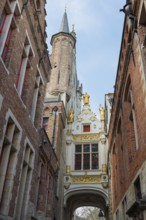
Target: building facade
[[27, 175], [86, 180], [64, 122], [52, 153], [127, 154]]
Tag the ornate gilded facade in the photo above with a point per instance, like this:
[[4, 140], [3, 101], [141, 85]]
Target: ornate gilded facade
[[78, 137], [86, 155]]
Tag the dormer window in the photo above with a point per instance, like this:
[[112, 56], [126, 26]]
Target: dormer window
[[86, 128]]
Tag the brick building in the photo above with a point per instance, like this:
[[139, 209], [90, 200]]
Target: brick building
[[28, 166], [127, 131]]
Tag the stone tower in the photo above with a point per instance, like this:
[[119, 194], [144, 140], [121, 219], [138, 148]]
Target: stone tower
[[63, 63]]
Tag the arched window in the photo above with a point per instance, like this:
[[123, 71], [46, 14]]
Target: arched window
[[130, 115], [38, 5]]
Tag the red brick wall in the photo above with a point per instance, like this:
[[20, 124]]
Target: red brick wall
[[128, 158], [21, 107]]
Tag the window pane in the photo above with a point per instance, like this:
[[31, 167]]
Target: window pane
[[86, 162], [78, 148], [86, 128], [94, 161], [78, 158], [86, 148], [45, 120], [94, 147]]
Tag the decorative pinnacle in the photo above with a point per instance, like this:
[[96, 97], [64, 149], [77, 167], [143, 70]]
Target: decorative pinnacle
[[65, 7], [73, 28]]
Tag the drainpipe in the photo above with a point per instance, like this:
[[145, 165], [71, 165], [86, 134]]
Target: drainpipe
[[55, 109]]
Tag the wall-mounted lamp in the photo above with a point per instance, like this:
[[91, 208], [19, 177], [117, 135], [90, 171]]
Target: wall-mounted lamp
[[101, 214]]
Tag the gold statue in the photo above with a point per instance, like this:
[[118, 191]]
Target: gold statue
[[102, 113], [86, 98], [71, 116]]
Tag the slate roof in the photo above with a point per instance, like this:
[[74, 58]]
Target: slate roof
[[64, 24]]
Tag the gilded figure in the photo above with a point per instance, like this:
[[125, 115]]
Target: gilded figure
[[102, 113], [71, 116], [86, 98]]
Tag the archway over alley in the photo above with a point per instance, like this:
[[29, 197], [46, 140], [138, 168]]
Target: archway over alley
[[84, 197]]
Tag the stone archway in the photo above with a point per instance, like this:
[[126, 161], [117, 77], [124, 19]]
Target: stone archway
[[75, 198]]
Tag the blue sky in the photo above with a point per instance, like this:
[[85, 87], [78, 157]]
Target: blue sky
[[98, 27]]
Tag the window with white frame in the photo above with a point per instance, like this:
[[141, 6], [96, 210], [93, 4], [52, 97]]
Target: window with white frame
[[25, 182], [24, 64], [86, 156], [10, 148], [36, 94], [7, 25]]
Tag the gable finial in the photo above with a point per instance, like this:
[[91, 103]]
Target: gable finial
[[64, 24], [65, 7], [73, 27]]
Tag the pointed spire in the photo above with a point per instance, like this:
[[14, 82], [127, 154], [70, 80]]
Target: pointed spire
[[73, 28], [64, 24]]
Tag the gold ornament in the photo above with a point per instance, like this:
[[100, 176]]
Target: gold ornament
[[92, 118], [71, 116], [86, 179], [67, 169], [102, 113], [104, 185], [80, 119], [86, 98], [104, 168], [86, 137]]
